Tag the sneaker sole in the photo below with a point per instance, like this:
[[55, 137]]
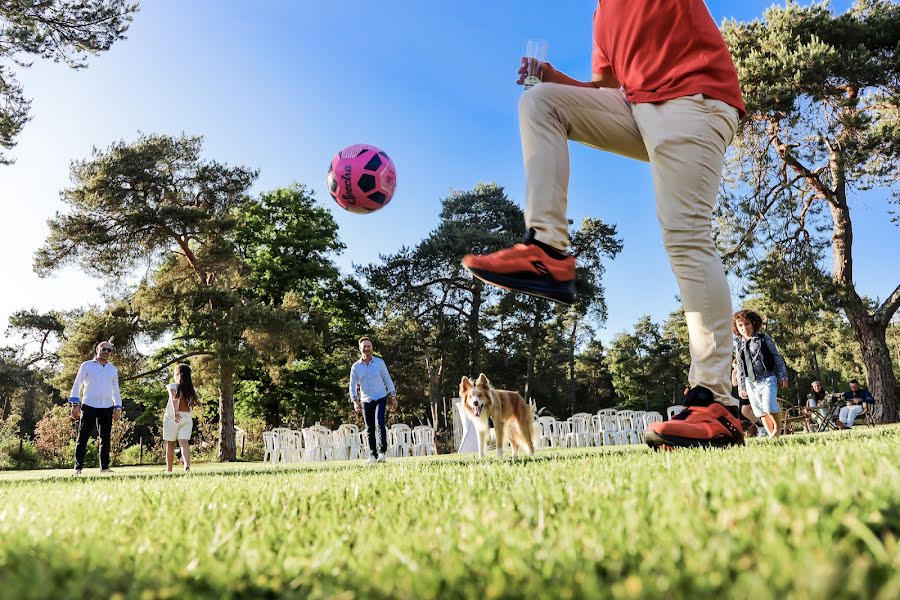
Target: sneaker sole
[[536, 287], [666, 442]]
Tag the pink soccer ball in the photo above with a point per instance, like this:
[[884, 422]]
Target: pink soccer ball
[[362, 178]]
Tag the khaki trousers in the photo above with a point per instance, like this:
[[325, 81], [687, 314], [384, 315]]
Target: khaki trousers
[[684, 140]]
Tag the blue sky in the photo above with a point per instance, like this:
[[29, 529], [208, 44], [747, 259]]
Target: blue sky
[[281, 86]]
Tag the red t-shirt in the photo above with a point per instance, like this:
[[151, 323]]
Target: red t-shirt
[[664, 49]]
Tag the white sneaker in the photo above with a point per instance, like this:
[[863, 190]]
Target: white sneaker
[[76, 472], [106, 471], [381, 457], [372, 460]]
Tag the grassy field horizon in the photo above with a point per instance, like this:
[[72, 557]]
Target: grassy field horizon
[[807, 516]]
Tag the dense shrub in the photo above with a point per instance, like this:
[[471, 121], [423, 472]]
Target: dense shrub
[[132, 456], [53, 435], [18, 454], [91, 455], [120, 437]]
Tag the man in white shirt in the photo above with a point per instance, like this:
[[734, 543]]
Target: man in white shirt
[[370, 385], [100, 404]]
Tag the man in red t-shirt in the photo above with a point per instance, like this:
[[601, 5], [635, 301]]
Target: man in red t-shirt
[[664, 90]]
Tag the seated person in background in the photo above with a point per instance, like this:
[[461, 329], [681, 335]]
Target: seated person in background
[[855, 399], [817, 396]]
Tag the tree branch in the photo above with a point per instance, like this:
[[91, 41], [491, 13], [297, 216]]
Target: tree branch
[[888, 307], [796, 165], [171, 362], [760, 216]]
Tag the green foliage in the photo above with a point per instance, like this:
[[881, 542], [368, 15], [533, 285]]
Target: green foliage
[[16, 453], [120, 437], [58, 30], [67, 456], [301, 393], [312, 314], [132, 455], [131, 202], [592, 243], [115, 323], [808, 516], [43, 329], [594, 379], [24, 393], [798, 306], [649, 367], [287, 242]]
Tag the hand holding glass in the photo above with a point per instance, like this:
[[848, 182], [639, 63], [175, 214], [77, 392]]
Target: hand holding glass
[[535, 56]]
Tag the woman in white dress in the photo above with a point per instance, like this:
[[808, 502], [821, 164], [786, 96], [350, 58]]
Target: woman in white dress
[[178, 421]]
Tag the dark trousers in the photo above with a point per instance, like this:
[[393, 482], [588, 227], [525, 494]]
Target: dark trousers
[[102, 418], [374, 413]]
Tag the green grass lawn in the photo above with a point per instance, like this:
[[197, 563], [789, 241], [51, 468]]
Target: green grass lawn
[[809, 516]]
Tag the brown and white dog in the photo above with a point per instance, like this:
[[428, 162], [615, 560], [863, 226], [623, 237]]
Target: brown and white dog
[[511, 415]]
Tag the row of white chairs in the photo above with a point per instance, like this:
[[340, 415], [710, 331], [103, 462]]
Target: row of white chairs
[[318, 443], [609, 427]]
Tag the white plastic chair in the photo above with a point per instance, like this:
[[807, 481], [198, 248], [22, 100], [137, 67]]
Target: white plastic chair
[[340, 446], [291, 446], [363, 437], [269, 445], [326, 441], [423, 441], [563, 429], [314, 449], [547, 433], [652, 417], [627, 432], [279, 433], [399, 440], [350, 441], [579, 430], [673, 410], [596, 431], [638, 426], [609, 429]]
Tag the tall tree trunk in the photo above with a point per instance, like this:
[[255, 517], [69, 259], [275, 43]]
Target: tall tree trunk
[[272, 412], [815, 363], [534, 340], [227, 447], [572, 339], [435, 368], [870, 330], [473, 330], [877, 359]]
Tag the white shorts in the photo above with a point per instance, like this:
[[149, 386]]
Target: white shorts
[[173, 431], [763, 396]]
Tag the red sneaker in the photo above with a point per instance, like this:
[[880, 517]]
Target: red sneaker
[[703, 423], [526, 268]]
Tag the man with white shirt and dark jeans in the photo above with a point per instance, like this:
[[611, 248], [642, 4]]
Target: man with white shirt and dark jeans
[[100, 404], [370, 386]]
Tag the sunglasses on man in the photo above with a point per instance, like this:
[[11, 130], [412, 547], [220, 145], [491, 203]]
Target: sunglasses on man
[[106, 349]]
